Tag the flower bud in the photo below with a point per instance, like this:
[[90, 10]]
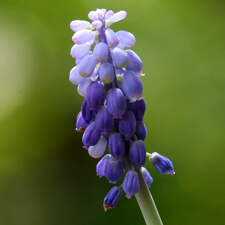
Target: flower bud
[[162, 164], [141, 130], [87, 66], [118, 16], [92, 15], [135, 62], [147, 176], [116, 146], [131, 86], [82, 36], [80, 124], [79, 51], [96, 24], [95, 95], [120, 58], [138, 108], [111, 38], [127, 125], [104, 121], [100, 168], [77, 25], [100, 52], [113, 170], [82, 87], [91, 135], [116, 103], [109, 14], [87, 113], [131, 184], [106, 73], [75, 77], [126, 38], [96, 151], [112, 198], [137, 153]]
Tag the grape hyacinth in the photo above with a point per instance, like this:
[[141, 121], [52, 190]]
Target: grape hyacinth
[[111, 116]]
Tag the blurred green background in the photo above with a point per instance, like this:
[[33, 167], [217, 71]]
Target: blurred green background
[[46, 177]]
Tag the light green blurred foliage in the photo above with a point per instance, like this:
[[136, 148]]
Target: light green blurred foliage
[[46, 177]]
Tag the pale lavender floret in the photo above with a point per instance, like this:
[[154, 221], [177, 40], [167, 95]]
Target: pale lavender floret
[[111, 38], [77, 25], [101, 13], [106, 73], [87, 66], [82, 36], [109, 14], [120, 45], [93, 15], [96, 24], [126, 39], [82, 87], [131, 86], [147, 176], [137, 153], [100, 52], [120, 58], [135, 62], [96, 151], [79, 51], [100, 167], [75, 77], [78, 61], [118, 16]]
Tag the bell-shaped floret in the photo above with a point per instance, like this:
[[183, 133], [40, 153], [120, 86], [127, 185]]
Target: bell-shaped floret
[[77, 25], [82, 87], [96, 24], [106, 73], [75, 77], [87, 113], [100, 168], [80, 124], [138, 108], [120, 58], [126, 39], [79, 51], [141, 130], [137, 153], [111, 38], [82, 36], [147, 176], [100, 52], [96, 151], [87, 66], [118, 16]]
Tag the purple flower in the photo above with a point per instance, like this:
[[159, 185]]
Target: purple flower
[[138, 108], [87, 113], [82, 36], [126, 38], [83, 86], [127, 125], [75, 77], [100, 168], [80, 124], [96, 151], [137, 153], [111, 38], [87, 66], [77, 25], [79, 51], [97, 24], [92, 15], [106, 73], [100, 52], [112, 198], [141, 130], [162, 164], [131, 184], [118, 16], [147, 176], [120, 58]]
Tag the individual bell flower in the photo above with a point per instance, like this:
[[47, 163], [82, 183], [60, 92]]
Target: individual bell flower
[[127, 125], [79, 51], [111, 38], [141, 130], [120, 58], [116, 146], [104, 121], [106, 73], [87, 66], [100, 168], [116, 103], [92, 15], [113, 170], [138, 108], [161, 163], [96, 151], [118, 16], [82, 87], [147, 176], [82, 36], [75, 77], [137, 153], [101, 13], [80, 124], [91, 135], [100, 52], [95, 95], [77, 25], [87, 114], [126, 39], [97, 24], [112, 198], [109, 14], [131, 184], [135, 62], [131, 86]]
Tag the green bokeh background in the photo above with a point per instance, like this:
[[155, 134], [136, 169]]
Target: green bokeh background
[[46, 177]]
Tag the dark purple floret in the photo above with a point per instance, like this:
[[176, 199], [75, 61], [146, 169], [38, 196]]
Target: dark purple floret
[[91, 135], [141, 130], [147, 176], [100, 168], [138, 108], [127, 125], [137, 153], [112, 198], [80, 124], [95, 95], [162, 164], [131, 184], [87, 114], [116, 146], [104, 120], [116, 103]]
